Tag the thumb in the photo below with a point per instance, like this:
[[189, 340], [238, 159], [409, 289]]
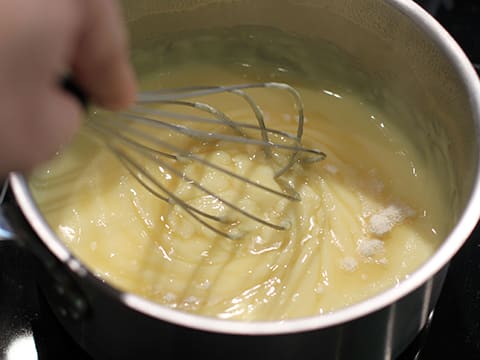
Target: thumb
[[101, 60]]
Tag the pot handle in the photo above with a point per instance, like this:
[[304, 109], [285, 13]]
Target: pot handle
[[6, 231]]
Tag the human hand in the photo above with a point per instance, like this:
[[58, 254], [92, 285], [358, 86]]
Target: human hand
[[39, 41]]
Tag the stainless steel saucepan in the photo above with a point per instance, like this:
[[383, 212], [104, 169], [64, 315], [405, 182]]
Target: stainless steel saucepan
[[412, 58]]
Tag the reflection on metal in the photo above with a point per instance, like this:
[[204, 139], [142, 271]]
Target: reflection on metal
[[427, 296], [6, 232], [392, 315], [3, 191], [22, 348]]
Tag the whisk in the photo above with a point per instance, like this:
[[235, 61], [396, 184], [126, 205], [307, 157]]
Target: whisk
[[133, 137]]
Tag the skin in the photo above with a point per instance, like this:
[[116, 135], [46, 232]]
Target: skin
[[41, 40]]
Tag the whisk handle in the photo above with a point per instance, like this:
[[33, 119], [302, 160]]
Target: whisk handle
[[70, 86]]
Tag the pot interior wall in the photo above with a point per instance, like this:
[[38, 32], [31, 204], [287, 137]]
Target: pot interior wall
[[408, 72]]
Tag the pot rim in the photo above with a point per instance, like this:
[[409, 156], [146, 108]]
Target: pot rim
[[422, 275]]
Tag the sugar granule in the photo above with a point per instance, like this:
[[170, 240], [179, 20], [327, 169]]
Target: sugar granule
[[384, 221], [370, 247]]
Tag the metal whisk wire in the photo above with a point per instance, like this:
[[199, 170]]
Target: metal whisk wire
[[117, 129]]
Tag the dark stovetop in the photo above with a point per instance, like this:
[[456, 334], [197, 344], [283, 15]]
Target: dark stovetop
[[28, 329]]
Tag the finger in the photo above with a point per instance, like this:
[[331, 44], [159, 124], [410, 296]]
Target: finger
[[34, 138], [101, 64]]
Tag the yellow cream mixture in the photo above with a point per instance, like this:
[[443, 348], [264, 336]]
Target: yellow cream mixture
[[370, 213]]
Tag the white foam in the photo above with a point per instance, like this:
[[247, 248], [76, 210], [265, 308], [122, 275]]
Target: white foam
[[349, 263], [370, 247], [169, 298], [386, 219]]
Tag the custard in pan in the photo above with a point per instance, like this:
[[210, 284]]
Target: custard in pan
[[370, 213]]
